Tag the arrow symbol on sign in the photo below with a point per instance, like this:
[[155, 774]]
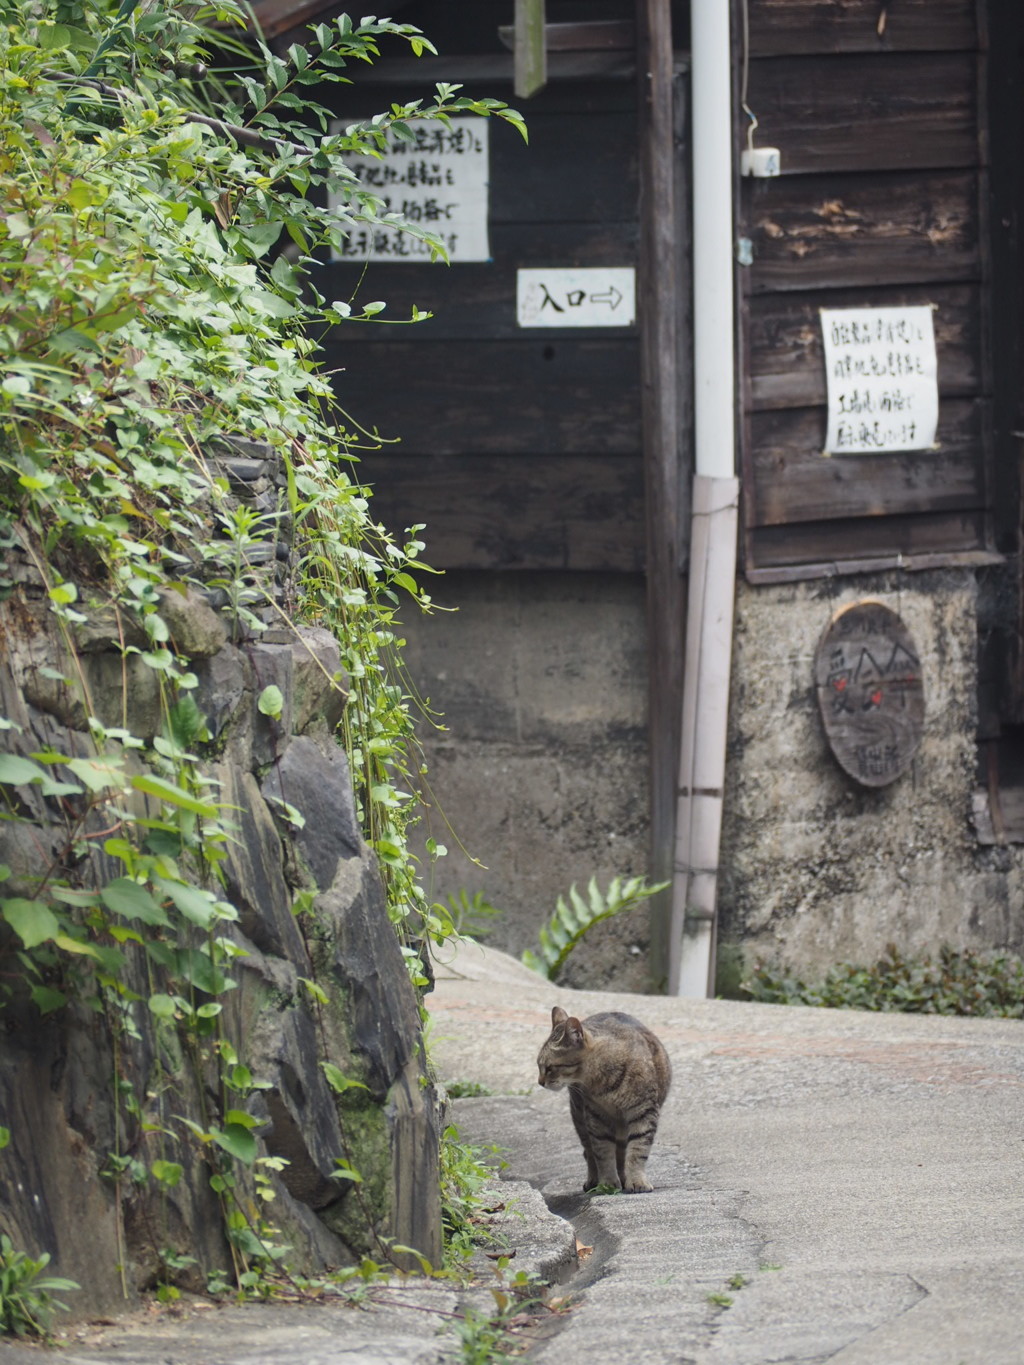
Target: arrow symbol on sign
[[610, 296]]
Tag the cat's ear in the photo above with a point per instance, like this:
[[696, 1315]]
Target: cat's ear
[[558, 1016], [574, 1032]]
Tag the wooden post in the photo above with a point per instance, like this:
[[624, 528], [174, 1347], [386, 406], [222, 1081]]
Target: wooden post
[[530, 51], [666, 433]]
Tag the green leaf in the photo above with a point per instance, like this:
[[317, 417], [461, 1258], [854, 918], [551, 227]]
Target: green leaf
[[172, 794], [185, 722], [98, 773], [52, 37], [32, 921], [260, 237], [337, 1079], [237, 1141], [288, 811], [109, 959], [240, 1118], [345, 1171], [169, 1173], [239, 1078], [534, 963], [195, 966], [68, 895], [121, 934], [162, 1006], [5, 1138], [316, 991], [82, 194], [17, 771], [271, 702], [63, 594], [47, 999], [197, 906], [126, 897]]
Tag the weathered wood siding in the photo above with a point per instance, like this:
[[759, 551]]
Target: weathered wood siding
[[518, 448], [880, 202]]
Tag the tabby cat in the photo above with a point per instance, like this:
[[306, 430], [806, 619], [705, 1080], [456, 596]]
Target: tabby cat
[[618, 1075]]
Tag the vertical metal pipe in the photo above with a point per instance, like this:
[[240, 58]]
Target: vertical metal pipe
[[715, 522], [713, 319]]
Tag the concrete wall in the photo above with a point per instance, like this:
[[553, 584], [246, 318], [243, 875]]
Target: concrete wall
[[542, 769], [542, 772], [818, 869]]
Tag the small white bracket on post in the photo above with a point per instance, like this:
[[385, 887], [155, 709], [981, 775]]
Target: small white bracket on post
[[761, 162]]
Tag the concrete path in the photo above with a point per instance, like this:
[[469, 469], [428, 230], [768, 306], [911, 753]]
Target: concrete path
[[829, 1186]]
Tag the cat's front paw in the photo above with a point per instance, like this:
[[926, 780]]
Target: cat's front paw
[[639, 1186]]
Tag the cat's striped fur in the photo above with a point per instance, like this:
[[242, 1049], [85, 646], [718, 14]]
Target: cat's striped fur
[[617, 1074]]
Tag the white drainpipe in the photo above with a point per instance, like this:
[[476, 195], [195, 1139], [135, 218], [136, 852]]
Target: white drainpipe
[[715, 502]]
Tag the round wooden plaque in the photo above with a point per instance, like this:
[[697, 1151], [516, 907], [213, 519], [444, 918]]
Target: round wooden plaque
[[868, 676]]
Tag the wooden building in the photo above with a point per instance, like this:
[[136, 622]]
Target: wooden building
[[567, 450]]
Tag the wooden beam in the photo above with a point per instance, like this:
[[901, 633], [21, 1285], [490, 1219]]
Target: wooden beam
[[609, 35], [530, 51], [665, 416], [479, 67]]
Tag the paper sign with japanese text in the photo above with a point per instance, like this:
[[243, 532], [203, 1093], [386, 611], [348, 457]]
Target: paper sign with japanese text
[[882, 377], [438, 180]]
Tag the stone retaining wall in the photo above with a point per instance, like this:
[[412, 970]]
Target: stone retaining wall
[[58, 1074]]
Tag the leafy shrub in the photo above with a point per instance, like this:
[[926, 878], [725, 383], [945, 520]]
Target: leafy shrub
[[162, 227], [956, 981], [26, 1295]]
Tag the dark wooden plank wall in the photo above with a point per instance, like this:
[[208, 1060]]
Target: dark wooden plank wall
[[879, 203], [518, 448]]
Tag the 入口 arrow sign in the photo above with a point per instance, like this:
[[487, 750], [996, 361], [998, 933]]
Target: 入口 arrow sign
[[584, 296]]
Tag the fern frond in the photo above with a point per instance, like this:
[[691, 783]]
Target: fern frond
[[577, 916]]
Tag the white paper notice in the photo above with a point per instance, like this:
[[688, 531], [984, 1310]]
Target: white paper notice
[[439, 181], [883, 391]]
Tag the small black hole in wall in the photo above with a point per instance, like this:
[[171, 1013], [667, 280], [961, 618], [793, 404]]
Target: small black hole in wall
[[548, 353]]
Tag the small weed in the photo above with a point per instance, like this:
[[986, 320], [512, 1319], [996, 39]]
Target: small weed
[[472, 916], [737, 1281], [26, 1295], [480, 1338], [483, 1339], [605, 1189], [467, 1090], [769, 1265], [720, 1300], [465, 1173]]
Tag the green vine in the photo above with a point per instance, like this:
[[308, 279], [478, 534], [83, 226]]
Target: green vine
[[158, 245]]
